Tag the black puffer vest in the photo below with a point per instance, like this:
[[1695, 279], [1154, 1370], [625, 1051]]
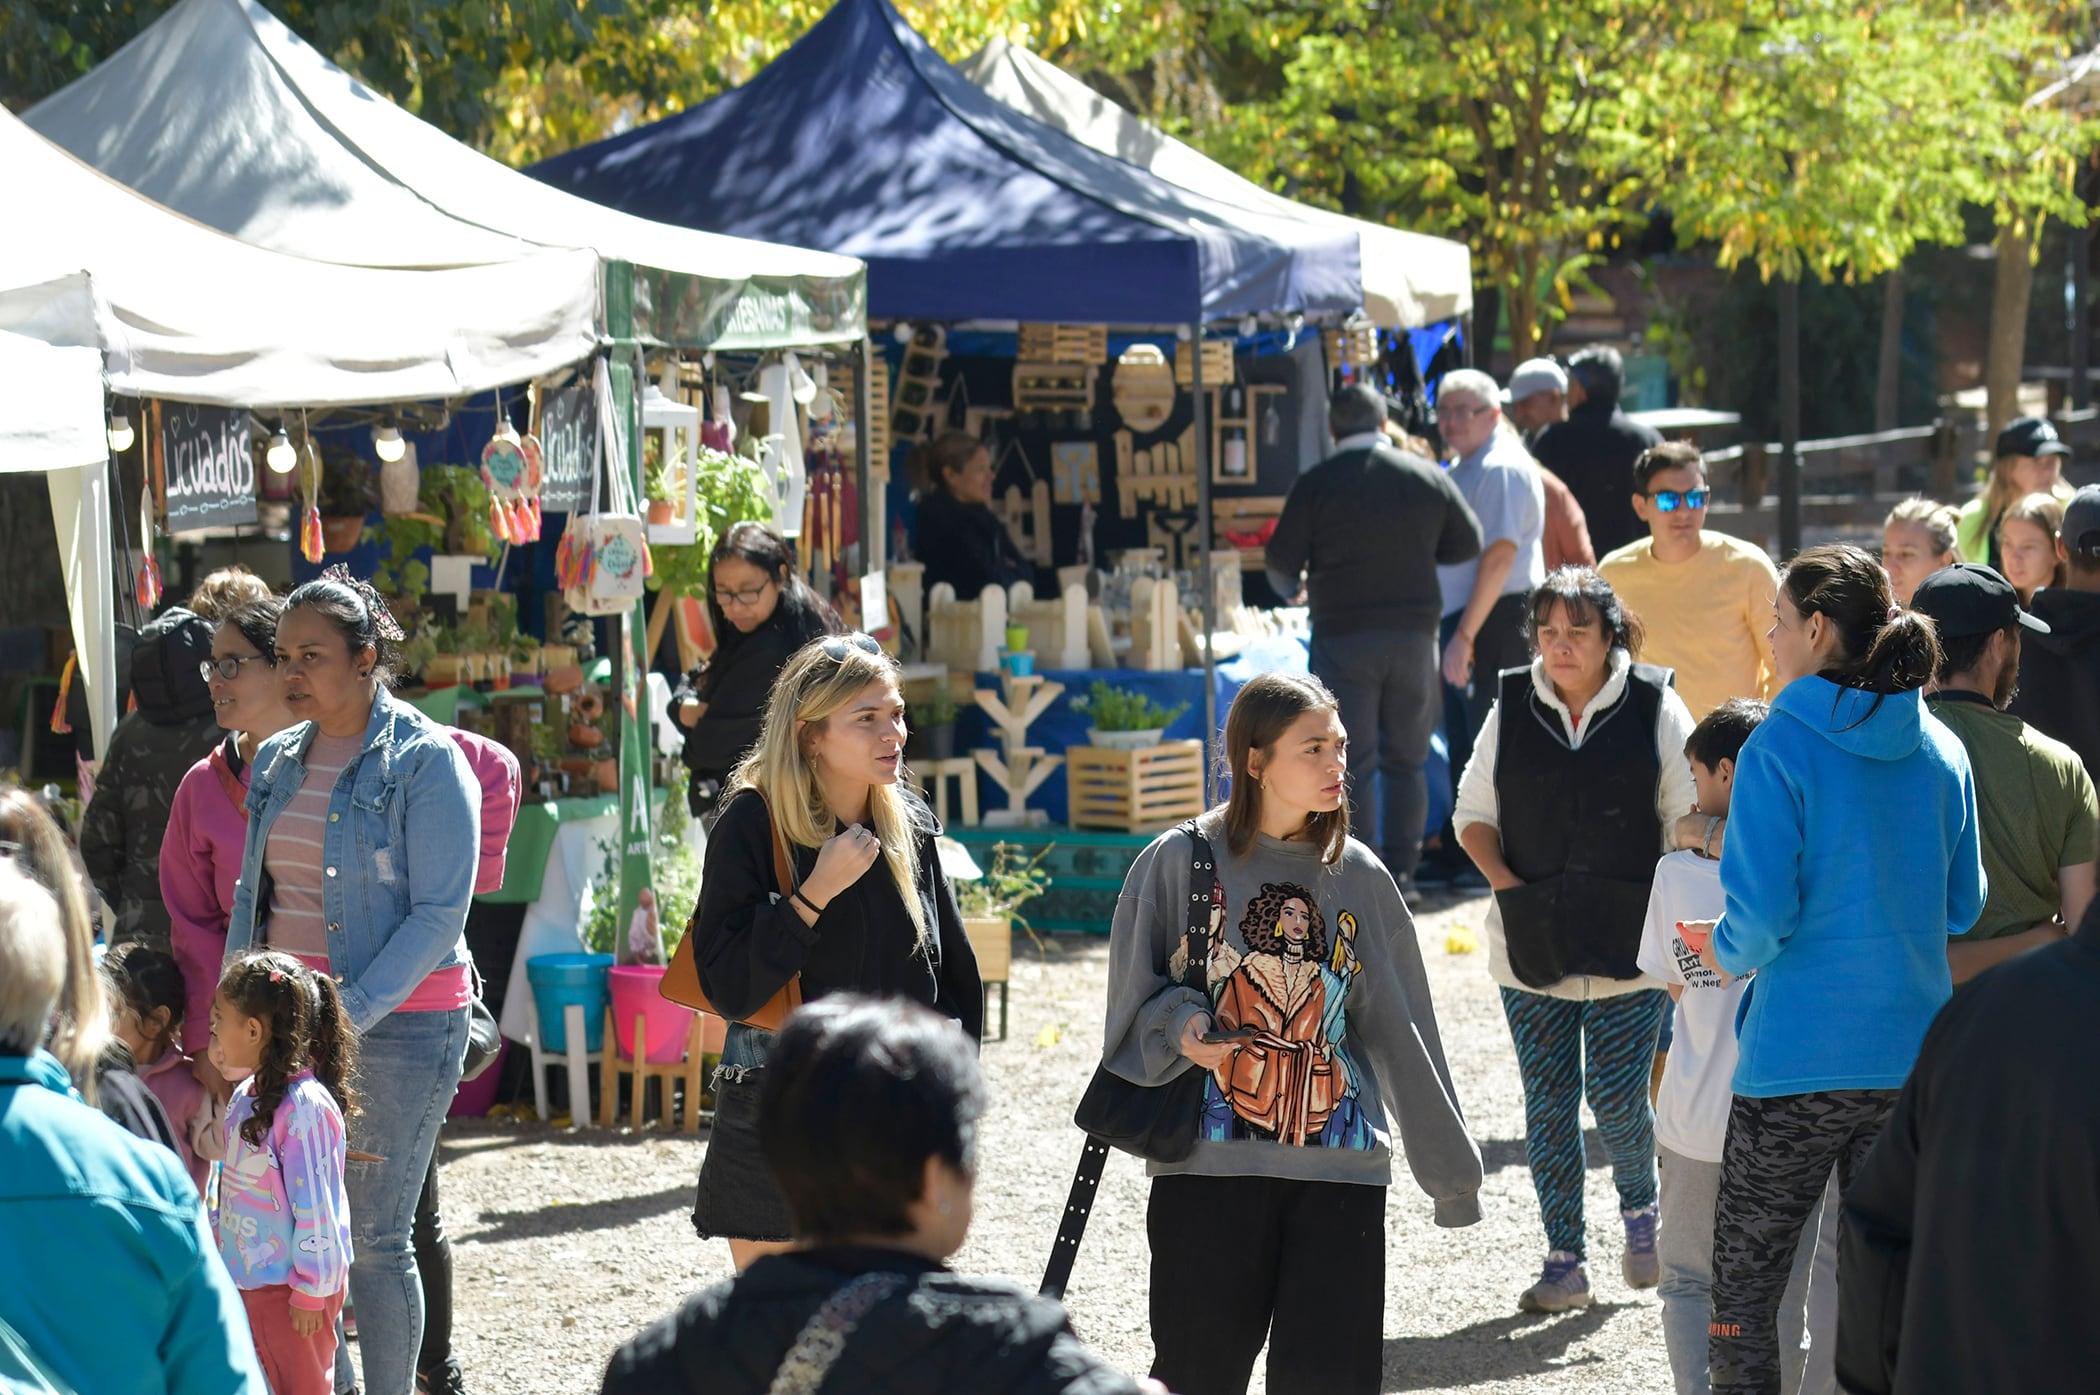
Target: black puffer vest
[[1579, 826]]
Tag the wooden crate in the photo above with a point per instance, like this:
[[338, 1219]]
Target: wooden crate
[[1217, 364], [1063, 343], [1136, 791], [1053, 387]]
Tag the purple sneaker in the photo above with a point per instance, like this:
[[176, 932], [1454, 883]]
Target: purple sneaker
[[1639, 1263], [1565, 1284]]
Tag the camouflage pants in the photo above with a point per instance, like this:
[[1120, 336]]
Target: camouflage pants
[[1776, 1163]]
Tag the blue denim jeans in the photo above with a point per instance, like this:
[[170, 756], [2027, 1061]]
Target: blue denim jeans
[[1386, 684], [408, 1067]]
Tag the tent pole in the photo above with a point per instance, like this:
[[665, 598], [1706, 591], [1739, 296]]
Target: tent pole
[[1205, 589], [874, 550]]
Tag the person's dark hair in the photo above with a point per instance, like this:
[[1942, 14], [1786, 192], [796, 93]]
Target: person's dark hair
[[1259, 924], [931, 461], [305, 1029], [353, 612], [257, 622], [1355, 409], [1721, 733], [859, 1092], [147, 979], [1589, 599], [1261, 713], [804, 613], [1880, 650], [1960, 653], [1670, 455], [1600, 371]]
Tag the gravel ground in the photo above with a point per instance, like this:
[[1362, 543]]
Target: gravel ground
[[566, 1243]]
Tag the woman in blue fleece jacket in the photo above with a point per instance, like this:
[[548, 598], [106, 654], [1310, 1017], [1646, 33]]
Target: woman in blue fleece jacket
[[1851, 857]]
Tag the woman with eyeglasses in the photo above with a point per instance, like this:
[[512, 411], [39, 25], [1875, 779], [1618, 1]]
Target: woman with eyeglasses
[[363, 844], [958, 537], [761, 611], [200, 852], [865, 908]]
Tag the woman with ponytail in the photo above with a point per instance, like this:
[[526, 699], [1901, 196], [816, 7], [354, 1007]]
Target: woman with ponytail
[[363, 842], [864, 907], [1852, 855]]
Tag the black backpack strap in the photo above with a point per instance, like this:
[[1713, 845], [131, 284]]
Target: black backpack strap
[[1093, 1156]]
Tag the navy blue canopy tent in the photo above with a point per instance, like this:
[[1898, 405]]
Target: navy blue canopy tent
[[861, 139]]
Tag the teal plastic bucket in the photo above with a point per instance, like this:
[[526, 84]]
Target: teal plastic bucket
[[561, 980]]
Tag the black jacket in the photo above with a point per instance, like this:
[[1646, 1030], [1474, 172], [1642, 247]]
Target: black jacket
[[966, 546], [747, 945], [1593, 453], [734, 685], [945, 1333], [1369, 527], [1970, 1252], [153, 748], [2059, 692]]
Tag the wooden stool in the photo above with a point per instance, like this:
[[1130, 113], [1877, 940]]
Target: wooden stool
[[611, 1068], [992, 940], [575, 1058], [938, 773]]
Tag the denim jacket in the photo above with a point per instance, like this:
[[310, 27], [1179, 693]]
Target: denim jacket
[[398, 855]]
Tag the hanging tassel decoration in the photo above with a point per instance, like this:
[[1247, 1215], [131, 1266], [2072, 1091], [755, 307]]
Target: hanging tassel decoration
[[310, 544], [59, 725], [149, 582]]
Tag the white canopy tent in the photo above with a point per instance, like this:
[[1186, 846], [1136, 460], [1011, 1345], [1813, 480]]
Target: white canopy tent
[[180, 311], [223, 114], [1409, 279], [51, 423]]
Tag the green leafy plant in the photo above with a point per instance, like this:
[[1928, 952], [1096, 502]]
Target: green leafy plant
[[1011, 880], [675, 866], [452, 517], [657, 474], [937, 711], [733, 490], [1120, 709]]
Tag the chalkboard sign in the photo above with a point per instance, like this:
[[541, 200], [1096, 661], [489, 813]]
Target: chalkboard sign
[[568, 449], [208, 466]]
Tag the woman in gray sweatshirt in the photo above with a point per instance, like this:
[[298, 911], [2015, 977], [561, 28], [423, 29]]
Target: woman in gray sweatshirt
[[1316, 1030]]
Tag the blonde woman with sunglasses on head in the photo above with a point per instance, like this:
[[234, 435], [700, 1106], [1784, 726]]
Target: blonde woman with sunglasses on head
[[867, 908]]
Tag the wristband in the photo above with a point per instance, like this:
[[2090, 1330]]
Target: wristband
[[812, 907], [1706, 844]]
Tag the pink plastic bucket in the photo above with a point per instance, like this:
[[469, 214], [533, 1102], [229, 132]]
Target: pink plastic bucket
[[634, 993]]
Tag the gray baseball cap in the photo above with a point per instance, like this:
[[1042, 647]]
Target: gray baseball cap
[[1535, 375], [2081, 531]]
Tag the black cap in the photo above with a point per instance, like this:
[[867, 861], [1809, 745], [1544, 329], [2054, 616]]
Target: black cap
[[1969, 598], [2029, 436], [2081, 531]]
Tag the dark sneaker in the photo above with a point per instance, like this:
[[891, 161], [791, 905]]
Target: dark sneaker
[[445, 1380], [1564, 1284], [1639, 1264]]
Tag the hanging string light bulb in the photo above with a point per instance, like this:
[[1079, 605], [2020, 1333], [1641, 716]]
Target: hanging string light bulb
[[387, 443], [282, 457], [120, 433]]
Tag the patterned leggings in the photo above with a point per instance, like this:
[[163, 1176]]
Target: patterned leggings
[[1607, 1046]]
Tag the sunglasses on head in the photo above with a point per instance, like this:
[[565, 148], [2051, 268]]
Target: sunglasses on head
[[1670, 500], [837, 647]]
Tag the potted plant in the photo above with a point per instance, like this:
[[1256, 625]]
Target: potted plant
[[1124, 720], [658, 481], [732, 490], [347, 492], [652, 935], [932, 732], [991, 903]]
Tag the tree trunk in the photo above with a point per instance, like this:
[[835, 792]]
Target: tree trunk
[[2008, 343], [1523, 292], [1888, 379], [1487, 318]]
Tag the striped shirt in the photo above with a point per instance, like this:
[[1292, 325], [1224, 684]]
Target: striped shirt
[[293, 855]]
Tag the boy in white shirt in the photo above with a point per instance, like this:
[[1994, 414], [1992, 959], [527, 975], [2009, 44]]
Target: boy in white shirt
[[1691, 1109]]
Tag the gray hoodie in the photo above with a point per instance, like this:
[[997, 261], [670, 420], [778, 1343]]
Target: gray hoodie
[[1323, 963]]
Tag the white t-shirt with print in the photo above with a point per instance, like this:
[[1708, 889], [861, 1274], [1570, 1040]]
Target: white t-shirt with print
[[1691, 1111]]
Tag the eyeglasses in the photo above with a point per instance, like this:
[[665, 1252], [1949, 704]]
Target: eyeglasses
[[1669, 500], [726, 599], [230, 668], [837, 647], [1457, 412]]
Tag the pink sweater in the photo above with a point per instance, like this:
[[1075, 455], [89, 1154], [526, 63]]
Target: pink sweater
[[189, 1109], [200, 859]]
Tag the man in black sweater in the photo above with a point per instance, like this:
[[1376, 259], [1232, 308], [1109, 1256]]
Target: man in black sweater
[[1367, 528], [1594, 449], [1970, 1252], [2059, 690]]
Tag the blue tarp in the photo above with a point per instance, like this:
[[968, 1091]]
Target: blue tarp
[[861, 139]]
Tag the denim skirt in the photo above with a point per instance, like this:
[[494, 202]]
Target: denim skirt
[[737, 1198]]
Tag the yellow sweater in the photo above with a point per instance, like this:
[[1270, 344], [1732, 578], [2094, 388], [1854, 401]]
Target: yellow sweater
[[1707, 618]]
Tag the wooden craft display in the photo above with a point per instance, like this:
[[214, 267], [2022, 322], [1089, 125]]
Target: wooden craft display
[[914, 412], [1163, 476], [1141, 791], [1217, 364], [1075, 472], [1247, 424], [906, 583], [1056, 626], [965, 635], [1242, 524], [1053, 387], [1174, 534], [1155, 619], [1354, 345], [1143, 388], [1017, 767], [1038, 343], [1027, 519]]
